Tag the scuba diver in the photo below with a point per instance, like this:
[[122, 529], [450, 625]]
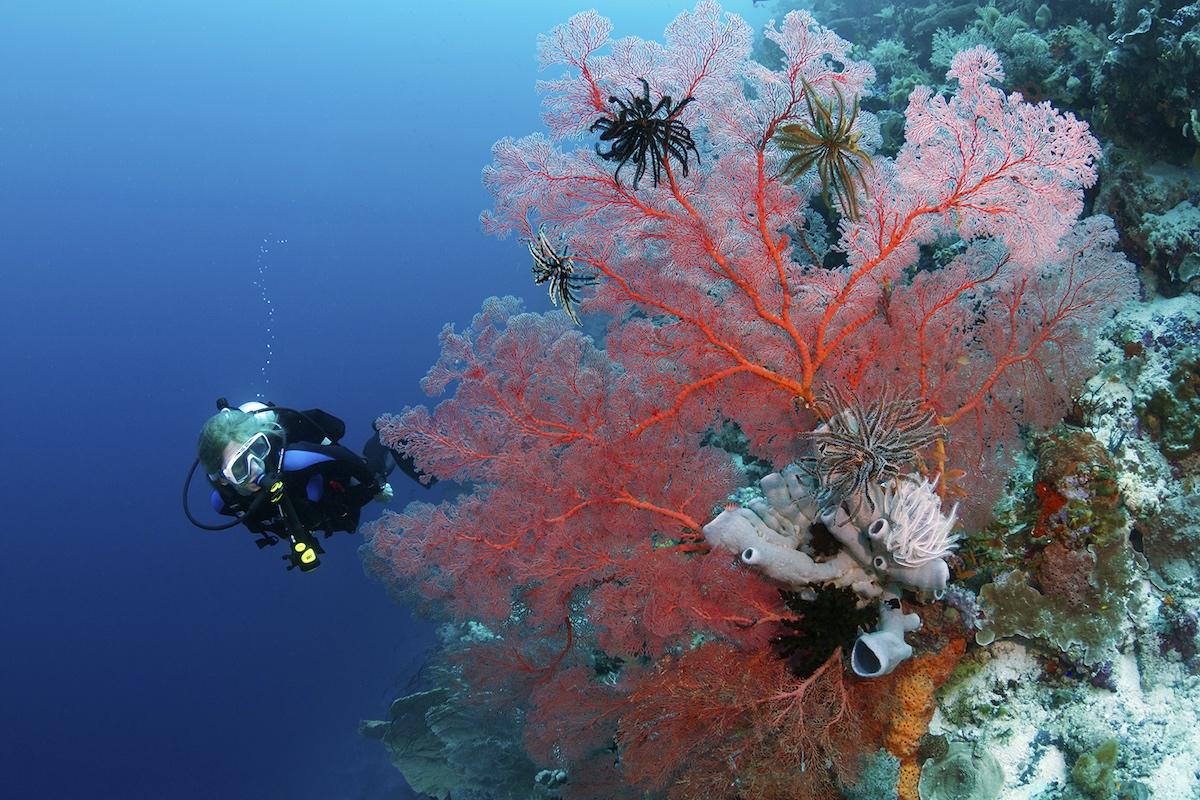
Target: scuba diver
[[284, 475]]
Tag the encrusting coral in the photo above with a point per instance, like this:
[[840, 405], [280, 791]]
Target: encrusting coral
[[963, 773], [1076, 556]]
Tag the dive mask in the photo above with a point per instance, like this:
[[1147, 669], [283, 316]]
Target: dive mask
[[248, 461]]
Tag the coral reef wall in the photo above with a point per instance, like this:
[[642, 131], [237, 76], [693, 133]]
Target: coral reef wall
[[835, 340]]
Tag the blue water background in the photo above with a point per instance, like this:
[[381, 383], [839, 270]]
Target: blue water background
[[147, 150]]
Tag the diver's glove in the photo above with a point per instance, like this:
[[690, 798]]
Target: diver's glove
[[385, 494]]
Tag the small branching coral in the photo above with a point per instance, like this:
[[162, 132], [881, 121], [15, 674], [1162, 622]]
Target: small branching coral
[[645, 133], [555, 266], [831, 144]]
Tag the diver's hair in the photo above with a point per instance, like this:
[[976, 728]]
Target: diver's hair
[[231, 425]]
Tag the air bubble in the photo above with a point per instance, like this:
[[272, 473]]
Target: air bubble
[[262, 264]]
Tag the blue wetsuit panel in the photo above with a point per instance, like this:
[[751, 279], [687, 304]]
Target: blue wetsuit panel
[[295, 460], [315, 488]]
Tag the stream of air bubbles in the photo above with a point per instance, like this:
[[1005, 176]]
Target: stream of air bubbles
[[261, 282]]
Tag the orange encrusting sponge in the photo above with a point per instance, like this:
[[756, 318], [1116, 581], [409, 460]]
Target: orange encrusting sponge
[[914, 708]]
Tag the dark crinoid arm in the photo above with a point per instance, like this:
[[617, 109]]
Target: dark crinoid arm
[[644, 133], [554, 266], [830, 144]]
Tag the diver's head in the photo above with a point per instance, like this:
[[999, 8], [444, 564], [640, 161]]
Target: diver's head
[[234, 447]]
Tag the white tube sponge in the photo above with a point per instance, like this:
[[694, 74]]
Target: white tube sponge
[[880, 652], [796, 568], [788, 506], [848, 534], [886, 545], [931, 577], [894, 535], [737, 528], [741, 531]]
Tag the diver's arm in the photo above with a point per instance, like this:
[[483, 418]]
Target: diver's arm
[[376, 453], [333, 460], [312, 425], [355, 465]]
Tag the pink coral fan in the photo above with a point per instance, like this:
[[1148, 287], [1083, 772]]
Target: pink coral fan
[[589, 465]]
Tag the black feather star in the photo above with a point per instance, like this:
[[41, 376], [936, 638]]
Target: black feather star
[[645, 133], [829, 620], [556, 268]]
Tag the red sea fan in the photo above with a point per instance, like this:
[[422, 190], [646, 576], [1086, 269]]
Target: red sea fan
[[567, 503], [741, 719], [588, 467]]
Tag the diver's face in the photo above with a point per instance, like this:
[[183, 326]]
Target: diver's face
[[255, 470]]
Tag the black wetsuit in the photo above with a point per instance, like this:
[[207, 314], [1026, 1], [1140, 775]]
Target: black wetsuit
[[327, 484]]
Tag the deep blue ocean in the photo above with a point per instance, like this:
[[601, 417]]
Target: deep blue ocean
[[182, 184]]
